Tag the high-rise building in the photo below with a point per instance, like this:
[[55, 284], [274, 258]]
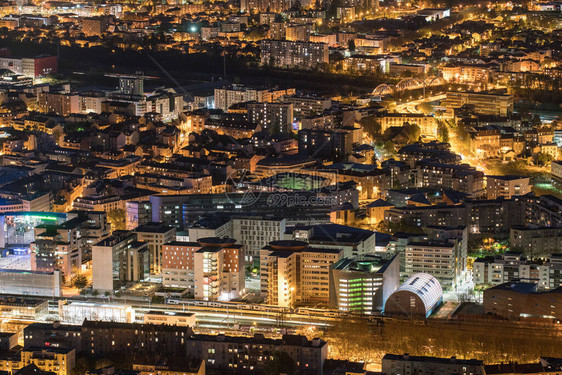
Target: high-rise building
[[131, 85], [275, 117], [445, 260], [293, 54], [292, 272], [219, 269], [256, 232], [156, 235]]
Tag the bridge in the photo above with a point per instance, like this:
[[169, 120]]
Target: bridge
[[407, 84]]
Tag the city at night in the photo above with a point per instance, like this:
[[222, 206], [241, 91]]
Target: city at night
[[280, 187]]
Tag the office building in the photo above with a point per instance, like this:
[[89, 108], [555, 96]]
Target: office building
[[155, 235], [256, 232], [484, 103], [444, 260], [363, 286], [118, 259]]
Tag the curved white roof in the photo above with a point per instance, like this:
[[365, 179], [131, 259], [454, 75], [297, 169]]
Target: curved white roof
[[426, 287]]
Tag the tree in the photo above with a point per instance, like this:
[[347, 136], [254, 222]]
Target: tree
[[79, 281], [426, 107], [116, 219], [542, 158], [371, 126], [351, 45], [442, 132]]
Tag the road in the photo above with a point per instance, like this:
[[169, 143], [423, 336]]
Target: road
[[411, 106]]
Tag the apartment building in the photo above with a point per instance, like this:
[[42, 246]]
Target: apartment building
[[446, 261], [228, 96], [63, 104], [293, 272], [513, 267], [293, 54], [178, 261], [219, 269], [274, 117], [536, 241], [507, 186], [426, 123]]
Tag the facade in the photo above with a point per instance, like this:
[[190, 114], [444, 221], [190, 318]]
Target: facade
[[59, 361], [275, 117], [62, 104], [219, 269], [292, 272], [419, 296], [256, 232], [30, 67], [444, 260], [156, 235], [104, 338], [248, 354], [227, 97], [507, 186], [536, 241], [513, 267], [118, 259], [556, 170], [394, 364], [178, 268], [363, 286], [293, 54], [31, 283], [522, 300], [426, 123], [483, 102]]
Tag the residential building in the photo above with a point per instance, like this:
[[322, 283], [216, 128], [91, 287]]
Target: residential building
[[507, 186], [293, 272], [394, 364], [522, 300], [293, 54], [219, 269]]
